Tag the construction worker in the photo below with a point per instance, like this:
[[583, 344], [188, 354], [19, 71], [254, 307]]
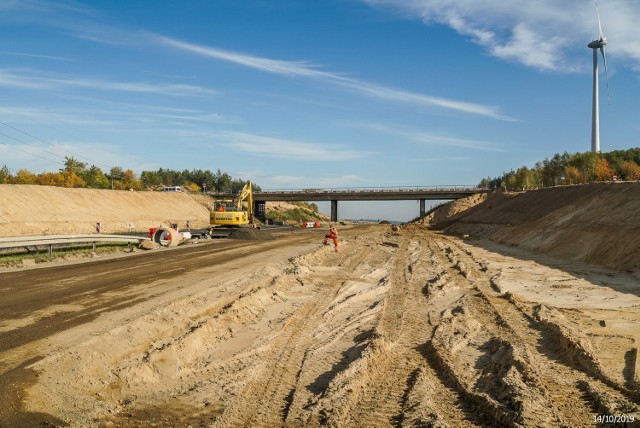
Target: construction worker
[[333, 235]]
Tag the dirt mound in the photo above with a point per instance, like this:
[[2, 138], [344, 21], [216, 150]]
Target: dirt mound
[[36, 210], [250, 234], [449, 211], [595, 223]]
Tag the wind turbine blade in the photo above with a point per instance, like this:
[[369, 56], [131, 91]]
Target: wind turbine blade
[[606, 73], [601, 36]]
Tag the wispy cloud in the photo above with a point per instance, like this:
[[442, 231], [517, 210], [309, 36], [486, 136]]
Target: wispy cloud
[[425, 138], [305, 69], [30, 80], [31, 55], [545, 34], [289, 149]]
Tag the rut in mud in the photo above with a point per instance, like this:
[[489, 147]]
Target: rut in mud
[[401, 328]]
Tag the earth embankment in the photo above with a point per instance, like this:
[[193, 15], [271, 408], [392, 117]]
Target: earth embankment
[[595, 223], [37, 210]]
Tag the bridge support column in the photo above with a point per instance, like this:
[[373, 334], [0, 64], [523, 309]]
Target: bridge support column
[[334, 210], [422, 209], [260, 210]]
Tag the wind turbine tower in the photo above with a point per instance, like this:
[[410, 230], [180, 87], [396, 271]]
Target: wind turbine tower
[[595, 113]]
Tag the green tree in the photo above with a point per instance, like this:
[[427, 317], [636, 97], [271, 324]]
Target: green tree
[[116, 175], [95, 178], [5, 175]]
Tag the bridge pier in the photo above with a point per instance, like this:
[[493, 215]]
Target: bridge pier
[[422, 208], [260, 210], [334, 210]]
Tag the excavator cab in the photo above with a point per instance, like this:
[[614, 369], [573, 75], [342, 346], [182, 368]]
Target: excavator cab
[[238, 212]]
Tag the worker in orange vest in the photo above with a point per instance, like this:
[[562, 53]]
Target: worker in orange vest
[[333, 235]]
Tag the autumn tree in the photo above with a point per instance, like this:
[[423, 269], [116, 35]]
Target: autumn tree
[[73, 171], [571, 175], [24, 176], [130, 180], [629, 170], [602, 170], [51, 179]]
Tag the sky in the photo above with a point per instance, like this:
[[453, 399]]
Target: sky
[[298, 94]]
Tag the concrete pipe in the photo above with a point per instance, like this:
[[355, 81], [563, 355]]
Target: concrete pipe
[[166, 236]]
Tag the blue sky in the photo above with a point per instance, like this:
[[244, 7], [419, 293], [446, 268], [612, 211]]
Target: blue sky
[[296, 94]]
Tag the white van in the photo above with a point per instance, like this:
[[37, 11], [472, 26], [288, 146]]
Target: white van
[[171, 189]]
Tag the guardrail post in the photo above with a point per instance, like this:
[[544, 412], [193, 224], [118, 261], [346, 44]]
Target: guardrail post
[[50, 250]]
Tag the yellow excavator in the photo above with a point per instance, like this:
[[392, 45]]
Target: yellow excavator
[[238, 212]]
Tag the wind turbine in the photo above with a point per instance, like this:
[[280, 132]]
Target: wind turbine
[[595, 113]]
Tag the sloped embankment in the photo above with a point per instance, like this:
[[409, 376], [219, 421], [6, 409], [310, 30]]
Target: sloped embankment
[[35, 210], [595, 223]]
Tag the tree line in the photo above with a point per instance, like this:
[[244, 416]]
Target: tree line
[[76, 174], [567, 168]]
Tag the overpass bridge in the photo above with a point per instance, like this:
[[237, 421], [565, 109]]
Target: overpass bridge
[[419, 193]]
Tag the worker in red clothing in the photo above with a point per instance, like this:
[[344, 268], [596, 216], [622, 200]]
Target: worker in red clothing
[[333, 235]]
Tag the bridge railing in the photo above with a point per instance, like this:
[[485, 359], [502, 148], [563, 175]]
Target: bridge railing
[[438, 188]]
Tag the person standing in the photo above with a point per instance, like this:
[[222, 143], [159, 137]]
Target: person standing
[[333, 235]]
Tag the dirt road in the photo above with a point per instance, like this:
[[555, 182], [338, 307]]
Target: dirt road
[[400, 328]]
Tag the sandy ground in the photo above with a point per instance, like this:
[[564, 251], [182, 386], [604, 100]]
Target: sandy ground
[[525, 314], [402, 327]]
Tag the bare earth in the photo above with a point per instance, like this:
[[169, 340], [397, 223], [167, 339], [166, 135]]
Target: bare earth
[[402, 327]]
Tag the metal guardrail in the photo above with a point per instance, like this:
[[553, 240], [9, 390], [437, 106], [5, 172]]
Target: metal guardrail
[[51, 240]]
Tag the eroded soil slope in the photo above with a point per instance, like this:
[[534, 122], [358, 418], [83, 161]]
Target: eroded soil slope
[[403, 327], [596, 223], [37, 210]]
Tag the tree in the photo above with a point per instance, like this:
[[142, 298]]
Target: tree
[[150, 179], [629, 170], [131, 181], [24, 176], [571, 175], [73, 171], [51, 179], [95, 178], [115, 175], [602, 170], [5, 175]]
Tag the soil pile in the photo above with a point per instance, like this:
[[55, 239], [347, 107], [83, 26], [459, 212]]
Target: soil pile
[[40, 210], [596, 223]]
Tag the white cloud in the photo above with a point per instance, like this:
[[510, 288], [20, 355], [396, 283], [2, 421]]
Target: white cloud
[[304, 69], [425, 138], [289, 149], [28, 79], [545, 34]]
